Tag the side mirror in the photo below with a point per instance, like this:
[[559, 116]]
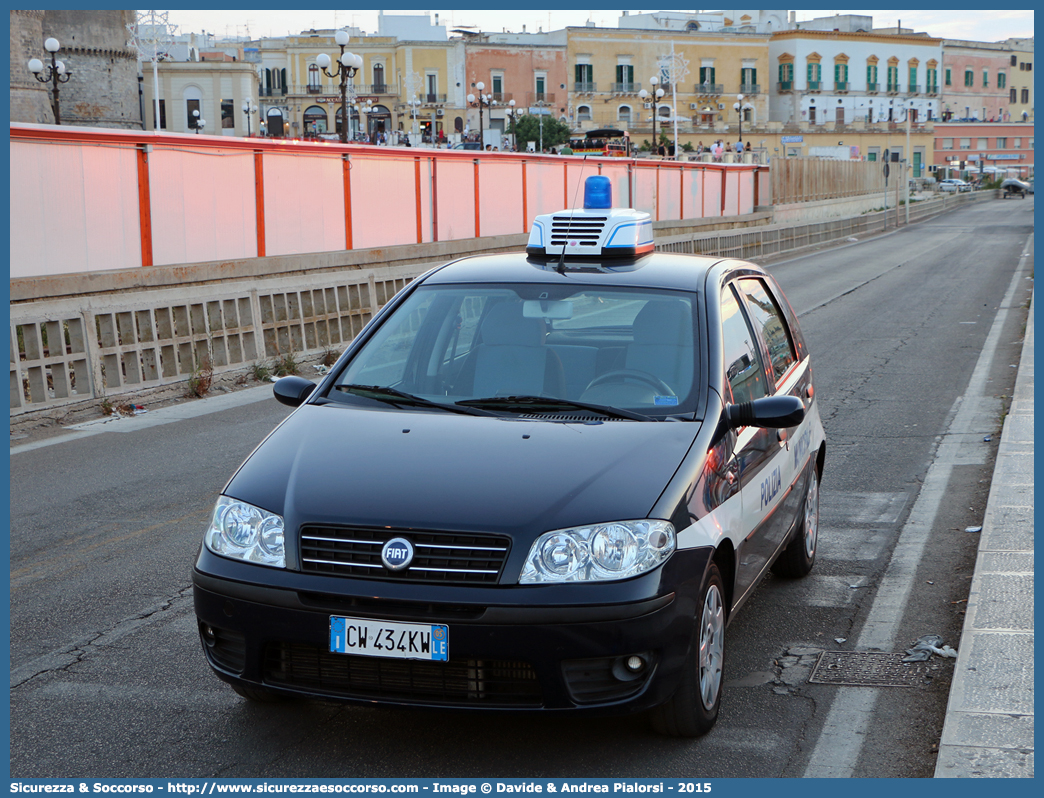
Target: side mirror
[[293, 391], [772, 412]]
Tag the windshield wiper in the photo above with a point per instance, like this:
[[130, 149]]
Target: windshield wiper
[[399, 398], [548, 403]]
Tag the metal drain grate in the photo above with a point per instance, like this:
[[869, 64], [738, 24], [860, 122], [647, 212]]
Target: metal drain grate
[[868, 669]]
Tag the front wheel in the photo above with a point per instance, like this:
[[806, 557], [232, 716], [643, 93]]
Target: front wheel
[[693, 709], [797, 559]]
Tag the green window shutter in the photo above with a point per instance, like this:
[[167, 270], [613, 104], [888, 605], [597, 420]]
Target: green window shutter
[[712, 75], [948, 81], [754, 76], [578, 73]]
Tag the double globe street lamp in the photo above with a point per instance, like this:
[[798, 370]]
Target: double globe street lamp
[[480, 102], [55, 73], [248, 109], [347, 65], [200, 123], [654, 96], [741, 108]]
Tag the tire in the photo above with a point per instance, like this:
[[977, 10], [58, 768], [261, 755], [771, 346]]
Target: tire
[[797, 559], [693, 709], [257, 694]]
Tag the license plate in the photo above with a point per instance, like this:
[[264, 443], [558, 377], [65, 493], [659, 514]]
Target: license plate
[[369, 638]]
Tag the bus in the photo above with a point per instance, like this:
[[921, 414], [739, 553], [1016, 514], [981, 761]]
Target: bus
[[608, 142]]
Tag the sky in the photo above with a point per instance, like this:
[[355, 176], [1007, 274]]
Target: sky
[[964, 24]]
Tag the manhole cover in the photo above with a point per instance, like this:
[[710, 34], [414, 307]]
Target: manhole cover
[[868, 669]]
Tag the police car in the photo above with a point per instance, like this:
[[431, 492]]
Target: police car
[[536, 481]]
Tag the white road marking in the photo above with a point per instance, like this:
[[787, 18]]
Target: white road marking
[[841, 740]]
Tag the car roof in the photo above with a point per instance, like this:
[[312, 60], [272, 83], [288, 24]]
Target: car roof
[[656, 270]]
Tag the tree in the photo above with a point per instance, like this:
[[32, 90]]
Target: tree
[[527, 129]]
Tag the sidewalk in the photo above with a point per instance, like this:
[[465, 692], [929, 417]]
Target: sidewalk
[[988, 731]]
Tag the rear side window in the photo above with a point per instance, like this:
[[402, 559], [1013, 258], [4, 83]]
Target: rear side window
[[742, 360], [767, 319]]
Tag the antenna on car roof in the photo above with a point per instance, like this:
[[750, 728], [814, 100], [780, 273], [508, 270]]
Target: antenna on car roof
[[580, 181]]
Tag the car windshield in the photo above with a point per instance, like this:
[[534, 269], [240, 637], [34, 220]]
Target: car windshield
[[608, 347]]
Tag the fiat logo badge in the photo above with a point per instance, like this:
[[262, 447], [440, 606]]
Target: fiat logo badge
[[397, 554]]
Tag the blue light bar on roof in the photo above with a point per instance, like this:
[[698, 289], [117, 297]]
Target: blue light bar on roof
[[598, 193]]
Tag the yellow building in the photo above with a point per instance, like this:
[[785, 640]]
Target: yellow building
[[701, 75], [399, 83]]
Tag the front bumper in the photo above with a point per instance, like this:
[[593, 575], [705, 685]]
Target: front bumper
[[540, 647]]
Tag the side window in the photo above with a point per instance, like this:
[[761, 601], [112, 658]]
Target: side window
[[742, 361], [768, 320]]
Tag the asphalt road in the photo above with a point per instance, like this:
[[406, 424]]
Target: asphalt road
[[108, 679]]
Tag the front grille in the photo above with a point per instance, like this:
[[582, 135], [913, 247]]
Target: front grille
[[459, 682], [586, 230], [446, 557], [593, 681]]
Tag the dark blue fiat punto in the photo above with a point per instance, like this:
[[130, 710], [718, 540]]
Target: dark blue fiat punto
[[539, 481]]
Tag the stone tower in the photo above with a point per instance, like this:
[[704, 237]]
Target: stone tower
[[30, 101], [103, 89]]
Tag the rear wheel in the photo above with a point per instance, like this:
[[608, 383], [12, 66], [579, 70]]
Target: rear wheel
[[693, 709], [797, 559]]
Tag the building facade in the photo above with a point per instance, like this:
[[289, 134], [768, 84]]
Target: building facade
[[217, 90], [526, 69], [842, 77], [998, 147], [403, 86], [1020, 79], [975, 81], [608, 68]]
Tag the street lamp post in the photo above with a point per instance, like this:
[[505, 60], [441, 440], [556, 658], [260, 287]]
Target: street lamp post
[[248, 109], [655, 96], [347, 65], [414, 105], [480, 102], [56, 73], [512, 114], [741, 108], [200, 123], [363, 108]]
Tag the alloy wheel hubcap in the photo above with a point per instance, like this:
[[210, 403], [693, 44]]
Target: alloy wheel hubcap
[[812, 515], [712, 646]]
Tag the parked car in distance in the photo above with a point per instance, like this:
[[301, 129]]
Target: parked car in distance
[[954, 184], [467, 145], [543, 481]]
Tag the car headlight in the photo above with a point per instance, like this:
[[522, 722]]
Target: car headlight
[[599, 552], [244, 532]]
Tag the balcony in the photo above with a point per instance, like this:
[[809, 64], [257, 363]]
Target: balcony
[[536, 97], [269, 92], [872, 88], [625, 88], [893, 88], [709, 89], [913, 88], [500, 97], [931, 91], [749, 88], [841, 85], [585, 88], [815, 85], [785, 85]]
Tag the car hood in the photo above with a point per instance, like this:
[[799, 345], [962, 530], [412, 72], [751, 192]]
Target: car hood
[[332, 464]]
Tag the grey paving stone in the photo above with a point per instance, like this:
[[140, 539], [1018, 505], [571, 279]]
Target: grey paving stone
[[963, 762], [997, 675], [1005, 562], [989, 731], [1001, 602]]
